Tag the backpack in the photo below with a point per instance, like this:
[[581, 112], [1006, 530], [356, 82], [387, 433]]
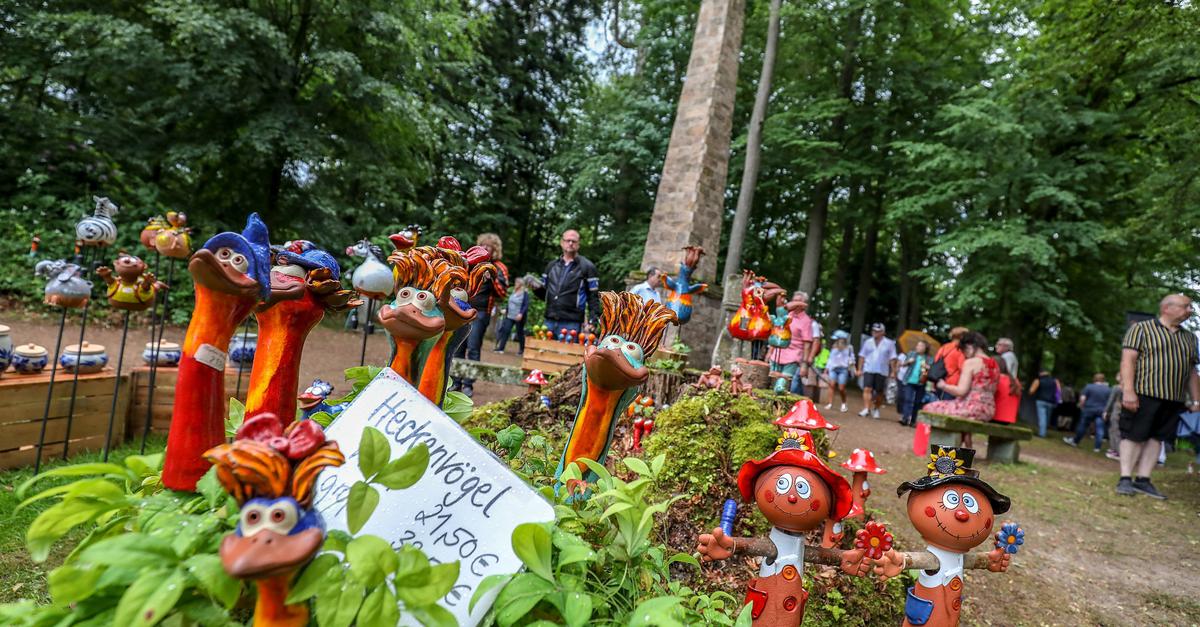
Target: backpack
[[937, 371]]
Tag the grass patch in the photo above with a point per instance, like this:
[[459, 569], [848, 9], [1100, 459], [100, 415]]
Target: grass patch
[[20, 576]]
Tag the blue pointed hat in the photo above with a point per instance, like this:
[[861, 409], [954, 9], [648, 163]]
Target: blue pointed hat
[[311, 259], [254, 243]]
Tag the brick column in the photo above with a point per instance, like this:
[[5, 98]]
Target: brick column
[[690, 204]]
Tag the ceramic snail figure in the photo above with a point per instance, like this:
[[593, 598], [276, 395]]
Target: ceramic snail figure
[[98, 229], [150, 231], [796, 492], [954, 511], [680, 288], [66, 287], [271, 472], [315, 397], [751, 322], [175, 239], [305, 284], [710, 380], [232, 273], [132, 289], [372, 278], [613, 371]]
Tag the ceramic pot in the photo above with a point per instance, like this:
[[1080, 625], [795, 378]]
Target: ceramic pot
[[87, 359], [30, 359], [241, 348], [6, 348], [169, 354]]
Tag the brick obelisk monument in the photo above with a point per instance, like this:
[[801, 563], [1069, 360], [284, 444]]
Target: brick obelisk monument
[[690, 205]]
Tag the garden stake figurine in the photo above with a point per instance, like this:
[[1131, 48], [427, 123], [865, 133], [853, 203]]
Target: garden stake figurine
[[98, 229], [174, 240], [796, 492], [305, 284], [953, 510], [613, 370], [271, 472], [413, 316], [374, 281], [150, 231], [781, 337], [232, 273], [680, 288], [133, 289], [751, 323], [314, 399], [66, 286]]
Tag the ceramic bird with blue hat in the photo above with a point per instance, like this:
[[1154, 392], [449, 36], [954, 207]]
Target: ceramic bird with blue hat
[[314, 399], [680, 288], [954, 511]]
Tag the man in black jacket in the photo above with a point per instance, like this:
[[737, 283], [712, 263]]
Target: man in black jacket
[[570, 283]]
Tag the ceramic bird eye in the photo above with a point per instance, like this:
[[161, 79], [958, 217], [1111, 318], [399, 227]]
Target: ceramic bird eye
[[424, 301], [405, 296]]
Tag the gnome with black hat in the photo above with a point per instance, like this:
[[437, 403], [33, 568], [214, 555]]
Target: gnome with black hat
[[796, 492], [954, 511]]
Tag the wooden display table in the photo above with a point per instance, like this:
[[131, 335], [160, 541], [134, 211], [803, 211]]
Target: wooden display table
[[551, 356], [25, 401], [165, 380]]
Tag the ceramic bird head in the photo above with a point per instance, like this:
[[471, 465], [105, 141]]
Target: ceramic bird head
[[630, 330], [236, 263]]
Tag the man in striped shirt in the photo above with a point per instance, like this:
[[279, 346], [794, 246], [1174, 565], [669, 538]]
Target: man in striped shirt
[[1158, 368]]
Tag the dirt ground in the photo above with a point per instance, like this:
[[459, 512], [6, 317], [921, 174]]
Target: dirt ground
[[1090, 558]]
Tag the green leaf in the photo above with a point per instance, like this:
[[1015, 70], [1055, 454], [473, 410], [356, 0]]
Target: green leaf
[[211, 489], [576, 608], [336, 540], [637, 465], [373, 452], [572, 548], [131, 550], [510, 438], [458, 406], [615, 508], [656, 464], [151, 597], [360, 505], [685, 558], [441, 579], [145, 465], [216, 583], [338, 602], [486, 585], [744, 618], [434, 616], [412, 567], [93, 489], [379, 609], [371, 559], [317, 572], [531, 543], [405, 471], [71, 583], [659, 612], [237, 415], [519, 597], [322, 418], [77, 470]]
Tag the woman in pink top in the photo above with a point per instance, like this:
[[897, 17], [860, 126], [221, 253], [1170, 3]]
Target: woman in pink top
[[787, 361], [975, 393]]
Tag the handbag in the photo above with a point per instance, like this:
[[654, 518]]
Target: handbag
[[937, 371]]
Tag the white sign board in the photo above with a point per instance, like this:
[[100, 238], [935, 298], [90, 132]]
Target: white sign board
[[463, 509]]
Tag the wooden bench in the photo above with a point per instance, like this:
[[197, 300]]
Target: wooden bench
[[1002, 439]]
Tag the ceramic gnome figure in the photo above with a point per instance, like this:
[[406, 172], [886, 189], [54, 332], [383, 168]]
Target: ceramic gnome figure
[[796, 492], [133, 289], [680, 288], [954, 511]]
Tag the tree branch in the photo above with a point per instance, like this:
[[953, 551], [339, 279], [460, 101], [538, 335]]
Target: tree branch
[[616, 27]]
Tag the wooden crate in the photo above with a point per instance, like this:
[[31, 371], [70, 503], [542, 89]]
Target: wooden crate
[[25, 401], [550, 356], [165, 380]]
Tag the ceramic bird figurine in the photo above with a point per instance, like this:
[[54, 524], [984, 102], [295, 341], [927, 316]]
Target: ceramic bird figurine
[[66, 286], [751, 322], [315, 397], [133, 288], [406, 240], [372, 278], [613, 371], [232, 273], [414, 316], [271, 472], [305, 284], [98, 229], [680, 288], [796, 492], [954, 511]]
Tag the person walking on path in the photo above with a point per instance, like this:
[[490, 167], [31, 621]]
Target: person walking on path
[[569, 284], [514, 318], [648, 289], [1158, 369], [839, 367], [810, 376], [1004, 350], [914, 370], [877, 363], [952, 358], [1112, 419], [975, 393], [1092, 400], [1045, 393], [482, 301]]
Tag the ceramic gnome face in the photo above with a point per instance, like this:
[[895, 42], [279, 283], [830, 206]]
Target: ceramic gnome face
[[792, 498], [955, 517]]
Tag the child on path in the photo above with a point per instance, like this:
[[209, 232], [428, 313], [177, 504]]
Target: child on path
[[839, 367], [514, 317]]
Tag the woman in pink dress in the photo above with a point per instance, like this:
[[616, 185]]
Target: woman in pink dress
[[975, 392]]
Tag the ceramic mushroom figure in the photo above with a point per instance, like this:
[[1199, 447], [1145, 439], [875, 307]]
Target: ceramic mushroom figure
[[66, 286], [710, 380], [133, 289], [861, 462], [305, 284], [796, 492], [314, 399], [954, 511], [680, 288], [98, 229], [535, 381], [271, 472], [231, 274], [613, 370], [174, 240]]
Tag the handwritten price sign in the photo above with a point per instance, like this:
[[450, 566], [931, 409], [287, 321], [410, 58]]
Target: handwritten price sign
[[463, 509]]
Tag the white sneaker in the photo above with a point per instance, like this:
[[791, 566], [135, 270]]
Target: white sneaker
[[864, 412], [829, 406], [875, 414], [843, 408]]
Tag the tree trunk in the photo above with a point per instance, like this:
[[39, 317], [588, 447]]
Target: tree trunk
[[905, 282], [741, 217], [834, 320], [866, 273], [810, 272]]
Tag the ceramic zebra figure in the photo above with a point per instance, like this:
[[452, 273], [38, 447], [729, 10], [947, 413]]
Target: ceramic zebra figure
[[98, 229]]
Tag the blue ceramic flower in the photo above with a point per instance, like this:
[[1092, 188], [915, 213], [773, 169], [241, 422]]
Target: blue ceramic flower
[[1010, 537]]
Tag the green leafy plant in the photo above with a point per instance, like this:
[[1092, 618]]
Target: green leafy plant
[[374, 462]]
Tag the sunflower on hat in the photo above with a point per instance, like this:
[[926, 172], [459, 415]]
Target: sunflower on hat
[[943, 463]]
